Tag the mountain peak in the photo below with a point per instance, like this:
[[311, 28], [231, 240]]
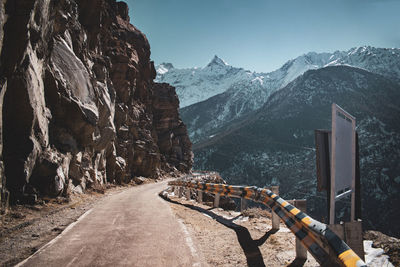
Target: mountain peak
[[167, 65], [217, 61], [164, 68]]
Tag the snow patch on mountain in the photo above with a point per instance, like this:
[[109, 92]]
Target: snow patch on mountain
[[384, 61], [198, 84], [218, 93], [164, 68]]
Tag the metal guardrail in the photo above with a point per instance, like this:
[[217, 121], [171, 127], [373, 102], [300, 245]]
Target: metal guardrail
[[319, 240]]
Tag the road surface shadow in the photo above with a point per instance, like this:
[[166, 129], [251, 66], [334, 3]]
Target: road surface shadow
[[297, 262], [249, 245]]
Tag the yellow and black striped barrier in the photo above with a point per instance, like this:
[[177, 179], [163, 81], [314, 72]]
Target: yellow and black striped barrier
[[309, 231]]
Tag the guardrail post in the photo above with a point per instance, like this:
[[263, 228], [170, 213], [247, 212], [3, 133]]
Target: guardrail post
[[188, 193], [351, 233], [301, 251], [200, 196], [176, 190], [325, 247], [275, 217], [180, 192], [216, 201], [243, 204]]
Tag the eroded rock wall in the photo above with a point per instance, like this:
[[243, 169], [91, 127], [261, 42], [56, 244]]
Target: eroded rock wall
[[80, 106], [173, 141], [3, 190]]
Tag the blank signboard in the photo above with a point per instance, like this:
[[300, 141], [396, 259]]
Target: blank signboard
[[343, 151]]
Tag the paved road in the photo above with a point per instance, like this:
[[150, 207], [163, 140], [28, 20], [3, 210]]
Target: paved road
[[132, 228]]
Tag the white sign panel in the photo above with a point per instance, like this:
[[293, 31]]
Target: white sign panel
[[343, 157]]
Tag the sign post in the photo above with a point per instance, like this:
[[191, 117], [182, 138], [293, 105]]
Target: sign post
[[338, 173], [343, 158]]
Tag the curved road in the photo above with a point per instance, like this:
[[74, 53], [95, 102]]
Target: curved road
[[132, 228]]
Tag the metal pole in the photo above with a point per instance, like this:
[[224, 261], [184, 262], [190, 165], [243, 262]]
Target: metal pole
[[275, 217], [216, 201], [200, 196], [333, 163], [188, 193], [301, 251], [243, 204], [353, 183], [180, 192]]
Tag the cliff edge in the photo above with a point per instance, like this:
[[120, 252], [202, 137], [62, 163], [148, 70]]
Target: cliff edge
[[78, 103]]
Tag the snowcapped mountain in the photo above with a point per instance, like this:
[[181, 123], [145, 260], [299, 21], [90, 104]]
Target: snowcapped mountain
[[198, 84], [384, 61], [218, 94], [194, 85]]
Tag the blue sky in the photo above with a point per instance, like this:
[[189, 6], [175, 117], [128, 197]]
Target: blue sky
[[261, 35]]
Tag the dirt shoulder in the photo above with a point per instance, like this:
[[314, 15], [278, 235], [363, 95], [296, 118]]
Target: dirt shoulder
[[26, 228], [228, 238]]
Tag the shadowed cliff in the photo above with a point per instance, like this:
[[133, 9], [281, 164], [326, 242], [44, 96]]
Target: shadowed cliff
[[79, 106]]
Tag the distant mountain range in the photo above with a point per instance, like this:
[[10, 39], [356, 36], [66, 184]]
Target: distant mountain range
[[275, 144], [214, 96], [260, 131]]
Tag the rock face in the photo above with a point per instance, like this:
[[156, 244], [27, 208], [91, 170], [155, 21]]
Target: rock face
[[3, 191], [79, 106], [173, 141]]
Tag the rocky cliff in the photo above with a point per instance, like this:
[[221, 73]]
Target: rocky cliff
[[79, 106]]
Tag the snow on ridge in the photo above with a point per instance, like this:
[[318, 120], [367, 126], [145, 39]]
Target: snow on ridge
[[259, 79], [198, 84], [164, 68]]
